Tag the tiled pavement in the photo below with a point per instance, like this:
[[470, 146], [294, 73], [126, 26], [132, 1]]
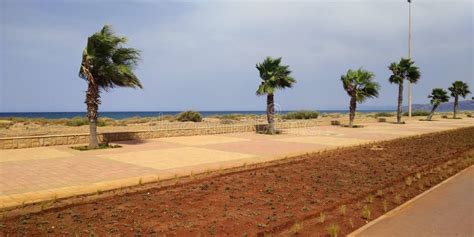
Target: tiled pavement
[[35, 174]]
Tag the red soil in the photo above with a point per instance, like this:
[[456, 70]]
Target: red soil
[[268, 199]]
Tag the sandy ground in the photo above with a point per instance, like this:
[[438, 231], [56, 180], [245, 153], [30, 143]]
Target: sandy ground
[[35, 128]]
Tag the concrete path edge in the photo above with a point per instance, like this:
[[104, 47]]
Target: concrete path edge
[[404, 205]]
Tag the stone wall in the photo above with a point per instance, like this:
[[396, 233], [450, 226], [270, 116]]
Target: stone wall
[[69, 139]]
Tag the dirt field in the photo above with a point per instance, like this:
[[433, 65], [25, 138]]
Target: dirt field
[[306, 195]]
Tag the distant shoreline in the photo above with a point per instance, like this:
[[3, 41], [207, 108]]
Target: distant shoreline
[[130, 114]]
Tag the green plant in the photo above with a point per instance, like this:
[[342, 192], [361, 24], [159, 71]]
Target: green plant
[[418, 113], [418, 175], [360, 86], [398, 199], [385, 205], [303, 114], [458, 88], [189, 116], [370, 198], [333, 230], [296, 228], [343, 210], [366, 213], [437, 96], [274, 76], [384, 114], [105, 65], [322, 217], [404, 70], [77, 121]]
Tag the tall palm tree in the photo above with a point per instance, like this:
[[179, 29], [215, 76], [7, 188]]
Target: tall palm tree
[[360, 86], [437, 97], [404, 70], [274, 76], [105, 65], [458, 88]]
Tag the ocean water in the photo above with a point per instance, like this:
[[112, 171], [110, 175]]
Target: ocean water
[[128, 114]]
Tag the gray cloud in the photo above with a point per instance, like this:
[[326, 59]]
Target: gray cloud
[[203, 54]]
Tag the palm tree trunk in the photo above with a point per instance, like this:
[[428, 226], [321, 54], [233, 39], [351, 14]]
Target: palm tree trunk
[[400, 101], [455, 105], [270, 114], [432, 112], [92, 101], [352, 109]]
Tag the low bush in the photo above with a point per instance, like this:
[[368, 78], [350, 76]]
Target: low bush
[[303, 114], [382, 120], [417, 113], [77, 121], [384, 114], [80, 121], [5, 124], [191, 116]]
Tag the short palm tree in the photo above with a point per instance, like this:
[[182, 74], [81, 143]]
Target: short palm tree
[[458, 88], [274, 76], [437, 97], [360, 86], [404, 70], [105, 65]]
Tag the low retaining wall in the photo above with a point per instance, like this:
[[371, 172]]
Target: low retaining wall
[[69, 139]]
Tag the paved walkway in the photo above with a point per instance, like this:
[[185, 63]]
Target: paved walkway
[[447, 210], [35, 174]]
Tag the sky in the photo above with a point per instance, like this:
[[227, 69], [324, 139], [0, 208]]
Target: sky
[[201, 55]]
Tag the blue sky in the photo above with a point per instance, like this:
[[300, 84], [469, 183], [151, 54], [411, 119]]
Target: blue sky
[[201, 54]]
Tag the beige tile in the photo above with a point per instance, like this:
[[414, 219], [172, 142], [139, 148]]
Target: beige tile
[[176, 157], [32, 154], [201, 140]]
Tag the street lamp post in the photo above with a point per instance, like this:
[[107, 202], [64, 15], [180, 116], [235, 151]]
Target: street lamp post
[[410, 96]]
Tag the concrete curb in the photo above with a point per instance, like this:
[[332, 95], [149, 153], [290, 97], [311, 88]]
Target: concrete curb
[[404, 205]]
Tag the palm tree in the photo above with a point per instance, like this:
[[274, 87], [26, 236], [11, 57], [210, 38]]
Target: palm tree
[[437, 97], [274, 76], [404, 70], [105, 65], [458, 88], [360, 86]]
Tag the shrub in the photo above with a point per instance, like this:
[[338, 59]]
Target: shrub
[[192, 116], [167, 117], [366, 213], [230, 116], [417, 113], [5, 124], [80, 121], [384, 114], [382, 120], [303, 114], [333, 230], [296, 228], [335, 122], [77, 121]]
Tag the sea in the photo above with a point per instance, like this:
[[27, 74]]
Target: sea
[[129, 114]]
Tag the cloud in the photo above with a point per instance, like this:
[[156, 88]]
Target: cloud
[[202, 54]]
